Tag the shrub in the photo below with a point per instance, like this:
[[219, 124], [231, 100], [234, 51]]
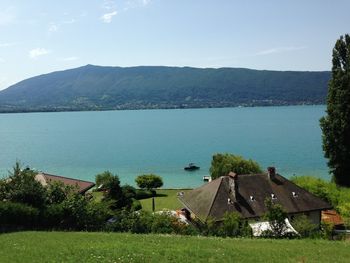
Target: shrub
[[276, 216], [136, 205], [17, 214], [304, 226], [21, 187], [338, 197], [231, 225]]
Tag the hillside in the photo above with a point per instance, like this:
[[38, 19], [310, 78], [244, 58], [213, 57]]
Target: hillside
[[123, 247], [105, 88]]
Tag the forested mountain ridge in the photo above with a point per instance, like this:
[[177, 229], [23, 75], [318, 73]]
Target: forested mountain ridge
[[148, 87]]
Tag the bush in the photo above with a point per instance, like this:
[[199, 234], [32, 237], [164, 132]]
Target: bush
[[232, 225], [17, 214], [338, 197], [304, 226], [21, 187], [136, 205], [276, 216], [145, 222]]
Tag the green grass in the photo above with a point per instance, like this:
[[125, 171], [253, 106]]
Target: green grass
[[121, 247], [166, 199]]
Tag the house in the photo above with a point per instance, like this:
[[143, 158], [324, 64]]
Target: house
[[81, 186], [246, 195]]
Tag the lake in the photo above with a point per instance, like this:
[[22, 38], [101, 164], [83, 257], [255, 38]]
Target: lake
[[130, 143]]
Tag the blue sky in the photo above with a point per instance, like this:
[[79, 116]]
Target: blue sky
[[38, 36]]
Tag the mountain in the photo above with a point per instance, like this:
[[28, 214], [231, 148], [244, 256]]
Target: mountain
[[106, 88]]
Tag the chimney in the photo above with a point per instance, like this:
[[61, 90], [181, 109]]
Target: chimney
[[233, 185], [271, 172]]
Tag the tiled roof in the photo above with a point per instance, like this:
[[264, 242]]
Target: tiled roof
[[81, 185], [246, 194], [332, 217]]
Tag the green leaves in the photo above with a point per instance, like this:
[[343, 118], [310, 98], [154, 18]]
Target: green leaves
[[149, 181], [336, 124], [222, 164]]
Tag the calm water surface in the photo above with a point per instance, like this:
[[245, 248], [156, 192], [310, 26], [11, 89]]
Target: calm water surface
[[129, 143]]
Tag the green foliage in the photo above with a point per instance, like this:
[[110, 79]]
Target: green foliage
[[102, 88], [304, 226], [57, 192], [336, 124], [338, 197], [327, 230], [232, 225], [146, 222], [276, 216], [17, 214], [149, 181], [222, 164], [103, 179], [21, 187]]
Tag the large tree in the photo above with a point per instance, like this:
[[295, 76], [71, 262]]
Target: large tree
[[222, 164], [336, 124]]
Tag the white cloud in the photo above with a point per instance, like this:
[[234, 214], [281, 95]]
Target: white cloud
[[53, 27], [71, 21], [69, 58], [37, 52], [107, 18], [7, 44], [2, 60], [108, 4], [278, 50], [131, 4]]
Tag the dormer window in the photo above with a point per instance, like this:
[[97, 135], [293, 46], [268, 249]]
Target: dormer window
[[252, 199], [295, 194], [273, 196]]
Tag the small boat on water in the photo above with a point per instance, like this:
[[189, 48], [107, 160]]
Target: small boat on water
[[191, 167]]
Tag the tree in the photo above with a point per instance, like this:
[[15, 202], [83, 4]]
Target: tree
[[276, 216], [21, 187], [222, 164], [336, 124], [102, 179], [149, 182]]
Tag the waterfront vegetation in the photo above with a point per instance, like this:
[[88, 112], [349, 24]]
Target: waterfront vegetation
[[126, 247]]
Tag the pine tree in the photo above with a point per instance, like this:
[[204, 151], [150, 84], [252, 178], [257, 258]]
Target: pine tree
[[336, 124]]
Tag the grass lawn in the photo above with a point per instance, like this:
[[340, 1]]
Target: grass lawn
[[166, 199], [122, 247]]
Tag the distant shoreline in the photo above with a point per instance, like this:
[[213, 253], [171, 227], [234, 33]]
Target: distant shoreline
[[159, 108]]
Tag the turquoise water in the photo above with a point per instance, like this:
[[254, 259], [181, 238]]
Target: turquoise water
[[129, 143]]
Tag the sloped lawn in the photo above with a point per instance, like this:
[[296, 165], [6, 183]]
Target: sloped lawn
[[122, 247]]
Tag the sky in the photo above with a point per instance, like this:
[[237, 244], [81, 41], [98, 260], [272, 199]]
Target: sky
[[42, 36]]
